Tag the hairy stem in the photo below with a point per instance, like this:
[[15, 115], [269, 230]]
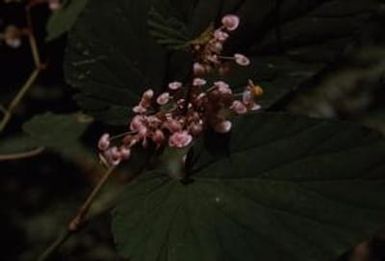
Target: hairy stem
[[78, 220]]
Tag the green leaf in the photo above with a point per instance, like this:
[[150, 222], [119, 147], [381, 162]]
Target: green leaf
[[282, 188], [62, 20], [17, 144], [58, 132], [112, 57], [169, 32]]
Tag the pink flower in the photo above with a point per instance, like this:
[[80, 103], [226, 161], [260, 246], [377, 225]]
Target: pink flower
[[158, 137], [104, 141], [195, 129], [223, 126], [148, 94], [139, 109], [230, 22], [163, 98], [238, 107], [223, 87], [199, 82], [248, 100], [174, 85], [125, 152], [180, 139], [137, 123], [172, 125], [220, 35], [241, 59], [113, 156], [198, 69]]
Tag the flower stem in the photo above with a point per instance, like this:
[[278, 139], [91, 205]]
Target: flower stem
[[16, 100], [31, 79], [55, 245], [78, 220]]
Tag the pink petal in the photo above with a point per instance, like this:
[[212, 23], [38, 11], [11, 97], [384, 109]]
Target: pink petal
[[230, 22]]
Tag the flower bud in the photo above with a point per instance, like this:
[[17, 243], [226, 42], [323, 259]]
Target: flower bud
[[125, 152], [163, 98], [180, 139], [241, 59], [220, 35], [238, 107], [174, 85], [199, 82], [223, 126], [198, 69], [104, 141], [230, 22]]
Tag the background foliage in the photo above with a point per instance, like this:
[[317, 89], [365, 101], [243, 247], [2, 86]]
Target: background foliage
[[320, 58]]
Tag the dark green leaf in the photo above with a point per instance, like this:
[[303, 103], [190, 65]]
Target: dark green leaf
[[285, 188], [112, 58], [58, 132], [170, 32], [17, 144], [63, 19]]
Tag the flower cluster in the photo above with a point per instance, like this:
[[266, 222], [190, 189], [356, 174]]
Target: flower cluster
[[178, 115], [208, 52]]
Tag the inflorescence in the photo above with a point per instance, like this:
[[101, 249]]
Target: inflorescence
[[179, 115]]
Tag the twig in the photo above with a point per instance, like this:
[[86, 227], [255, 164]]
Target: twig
[[32, 40], [22, 155], [31, 79], [78, 220], [55, 245], [16, 100]]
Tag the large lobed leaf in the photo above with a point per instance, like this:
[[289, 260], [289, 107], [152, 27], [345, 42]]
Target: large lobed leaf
[[58, 132], [112, 58], [281, 188], [63, 19]]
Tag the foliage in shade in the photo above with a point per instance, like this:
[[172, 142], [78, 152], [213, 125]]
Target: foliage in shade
[[282, 188], [63, 19], [112, 57], [169, 32], [17, 144], [59, 132]]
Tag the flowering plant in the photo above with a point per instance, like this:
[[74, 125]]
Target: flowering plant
[[176, 117], [181, 115]]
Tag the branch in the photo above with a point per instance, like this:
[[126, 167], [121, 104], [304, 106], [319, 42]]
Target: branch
[[78, 220], [21, 155], [28, 84], [16, 100]]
